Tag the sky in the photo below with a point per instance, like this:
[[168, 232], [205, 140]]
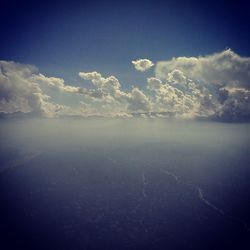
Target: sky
[[113, 179], [63, 38]]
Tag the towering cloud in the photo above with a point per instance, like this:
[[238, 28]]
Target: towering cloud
[[224, 69], [220, 82], [142, 64]]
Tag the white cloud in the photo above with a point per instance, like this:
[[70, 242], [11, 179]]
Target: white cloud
[[95, 77], [106, 87], [54, 82], [154, 83], [224, 69], [169, 98], [217, 84], [21, 90], [18, 92], [177, 77], [134, 101], [138, 101], [142, 64], [214, 87]]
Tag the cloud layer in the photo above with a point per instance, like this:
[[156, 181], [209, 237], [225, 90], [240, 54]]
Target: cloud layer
[[213, 87]]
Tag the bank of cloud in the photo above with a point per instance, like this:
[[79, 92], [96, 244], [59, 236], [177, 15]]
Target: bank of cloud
[[212, 87]]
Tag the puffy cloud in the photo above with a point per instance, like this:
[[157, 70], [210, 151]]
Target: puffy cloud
[[236, 106], [168, 98], [224, 69], [134, 101], [171, 96], [154, 83], [142, 64], [138, 101], [56, 83], [95, 77], [109, 84], [18, 92], [217, 85], [21, 90], [104, 87], [212, 87], [177, 77]]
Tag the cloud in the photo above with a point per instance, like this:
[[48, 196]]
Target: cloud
[[18, 92], [236, 106], [212, 87], [177, 77], [95, 77], [171, 99], [55, 83], [110, 88], [224, 69], [21, 90], [142, 64], [138, 101], [154, 83], [218, 84]]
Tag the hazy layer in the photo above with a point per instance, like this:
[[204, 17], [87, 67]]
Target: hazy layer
[[66, 132], [124, 184]]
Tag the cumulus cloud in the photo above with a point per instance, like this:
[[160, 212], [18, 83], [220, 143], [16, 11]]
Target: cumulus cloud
[[217, 84], [138, 101], [110, 88], [106, 87], [236, 106], [95, 77], [213, 87], [154, 83], [18, 92], [21, 90], [177, 77], [55, 83], [225, 69], [171, 99], [142, 64]]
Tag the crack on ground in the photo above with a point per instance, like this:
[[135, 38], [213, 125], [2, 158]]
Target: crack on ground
[[201, 196]]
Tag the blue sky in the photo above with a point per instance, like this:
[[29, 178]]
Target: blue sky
[[62, 38]]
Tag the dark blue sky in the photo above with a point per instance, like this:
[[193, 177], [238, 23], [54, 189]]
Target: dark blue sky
[[61, 38]]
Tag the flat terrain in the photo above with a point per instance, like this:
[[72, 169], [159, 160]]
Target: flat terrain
[[124, 184]]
